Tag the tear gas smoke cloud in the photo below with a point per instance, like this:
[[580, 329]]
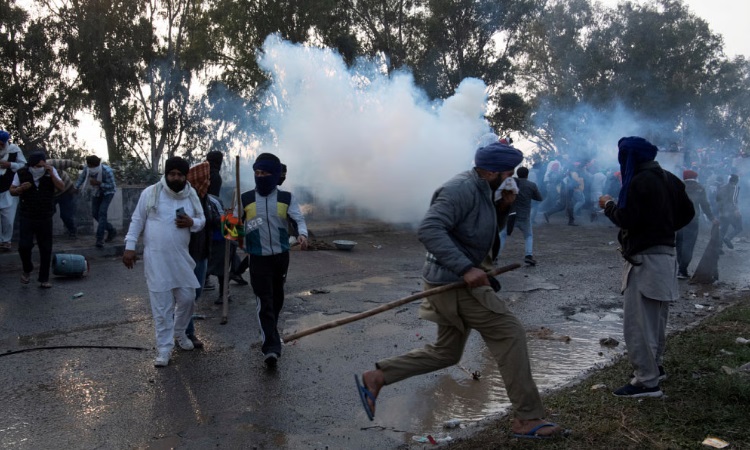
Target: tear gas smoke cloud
[[356, 136]]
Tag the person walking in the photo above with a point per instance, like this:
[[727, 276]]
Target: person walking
[[35, 184], [458, 232], [265, 212], [651, 207], [527, 192], [99, 180], [66, 200], [688, 235], [200, 241], [727, 199], [11, 160], [166, 213]]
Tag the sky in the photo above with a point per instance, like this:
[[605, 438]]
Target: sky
[[726, 17]]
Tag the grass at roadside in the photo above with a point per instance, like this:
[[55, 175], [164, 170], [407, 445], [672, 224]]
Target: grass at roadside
[[701, 398]]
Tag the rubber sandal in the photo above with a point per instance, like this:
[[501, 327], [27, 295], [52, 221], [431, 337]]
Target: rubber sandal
[[45, 285], [25, 278]]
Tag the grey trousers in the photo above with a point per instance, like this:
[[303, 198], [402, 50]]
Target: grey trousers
[[457, 312], [647, 290]]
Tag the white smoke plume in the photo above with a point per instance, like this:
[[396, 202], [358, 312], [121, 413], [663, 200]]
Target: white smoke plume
[[358, 137]]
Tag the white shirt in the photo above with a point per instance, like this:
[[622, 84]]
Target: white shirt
[[166, 260]]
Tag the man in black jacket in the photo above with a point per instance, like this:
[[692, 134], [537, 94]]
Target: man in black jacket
[[651, 207], [36, 184]]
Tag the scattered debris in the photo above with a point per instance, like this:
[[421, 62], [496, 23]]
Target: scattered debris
[[699, 306], [452, 423], [548, 334], [725, 352], [77, 295], [715, 442], [320, 291], [598, 387], [431, 440], [609, 342], [741, 340]]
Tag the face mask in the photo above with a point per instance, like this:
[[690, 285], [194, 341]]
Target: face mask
[[176, 186], [266, 185], [37, 172]]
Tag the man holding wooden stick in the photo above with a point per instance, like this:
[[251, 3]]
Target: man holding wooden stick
[[459, 232]]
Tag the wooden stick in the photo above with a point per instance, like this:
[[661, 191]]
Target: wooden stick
[[391, 305], [227, 245]]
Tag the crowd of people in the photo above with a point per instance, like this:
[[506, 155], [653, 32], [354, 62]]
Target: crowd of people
[[469, 219]]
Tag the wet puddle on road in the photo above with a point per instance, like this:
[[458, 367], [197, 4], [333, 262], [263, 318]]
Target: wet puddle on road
[[460, 399]]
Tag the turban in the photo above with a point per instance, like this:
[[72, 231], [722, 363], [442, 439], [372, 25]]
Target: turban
[[215, 158], [497, 157], [633, 151], [35, 157], [199, 177], [270, 163], [689, 174], [4, 136], [178, 163]]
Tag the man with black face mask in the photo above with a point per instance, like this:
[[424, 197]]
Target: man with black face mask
[[166, 214], [265, 210]]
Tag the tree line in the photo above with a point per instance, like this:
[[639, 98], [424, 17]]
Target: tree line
[[166, 77]]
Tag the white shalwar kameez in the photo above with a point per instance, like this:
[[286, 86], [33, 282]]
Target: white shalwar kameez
[[167, 264]]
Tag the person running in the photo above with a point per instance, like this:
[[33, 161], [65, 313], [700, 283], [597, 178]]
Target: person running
[[265, 211], [458, 232]]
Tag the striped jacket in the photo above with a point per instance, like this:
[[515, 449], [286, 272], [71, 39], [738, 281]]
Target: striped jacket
[[265, 221]]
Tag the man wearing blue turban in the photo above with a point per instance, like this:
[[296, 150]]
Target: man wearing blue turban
[[651, 207], [459, 231]]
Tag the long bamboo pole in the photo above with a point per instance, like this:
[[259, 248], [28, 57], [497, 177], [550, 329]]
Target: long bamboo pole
[[227, 245], [391, 305]]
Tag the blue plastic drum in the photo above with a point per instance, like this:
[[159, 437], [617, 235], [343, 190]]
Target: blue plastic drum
[[69, 265]]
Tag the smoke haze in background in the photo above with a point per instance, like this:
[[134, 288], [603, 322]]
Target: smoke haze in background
[[358, 137]]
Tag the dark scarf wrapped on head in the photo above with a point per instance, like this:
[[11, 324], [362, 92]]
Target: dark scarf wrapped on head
[[270, 163], [633, 151], [36, 157], [178, 163]]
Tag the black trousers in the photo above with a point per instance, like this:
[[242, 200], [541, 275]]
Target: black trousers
[[42, 230], [267, 278]]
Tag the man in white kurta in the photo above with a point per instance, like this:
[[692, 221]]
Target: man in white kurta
[[166, 214]]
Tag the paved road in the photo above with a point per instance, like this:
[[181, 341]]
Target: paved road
[[222, 397]]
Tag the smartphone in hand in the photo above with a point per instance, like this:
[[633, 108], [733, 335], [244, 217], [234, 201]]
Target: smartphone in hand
[[181, 212]]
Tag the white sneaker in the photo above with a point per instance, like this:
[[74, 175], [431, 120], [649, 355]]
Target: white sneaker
[[162, 360], [184, 342]]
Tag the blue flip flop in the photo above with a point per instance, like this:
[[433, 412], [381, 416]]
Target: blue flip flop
[[531, 434], [364, 393]]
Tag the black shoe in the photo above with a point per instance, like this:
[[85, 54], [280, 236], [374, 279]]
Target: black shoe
[[272, 360], [111, 235], [238, 279], [638, 391], [528, 259], [197, 343], [683, 276], [99, 244], [728, 243]]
